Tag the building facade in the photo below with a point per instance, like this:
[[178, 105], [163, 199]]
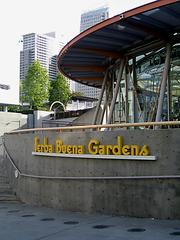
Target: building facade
[[41, 47], [88, 19]]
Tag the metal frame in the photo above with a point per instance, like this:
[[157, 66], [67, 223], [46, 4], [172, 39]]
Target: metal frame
[[121, 69], [100, 98]]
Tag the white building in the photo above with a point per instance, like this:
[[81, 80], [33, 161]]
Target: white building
[[41, 47]]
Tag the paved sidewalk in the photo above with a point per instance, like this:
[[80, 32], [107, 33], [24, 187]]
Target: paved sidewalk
[[23, 222]]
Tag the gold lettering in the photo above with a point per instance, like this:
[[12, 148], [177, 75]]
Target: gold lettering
[[74, 148], [36, 142], [92, 146], [120, 144], [45, 141], [63, 147], [69, 149], [144, 151], [126, 150], [102, 150], [59, 143], [51, 148], [80, 149], [46, 148], [134, 150], [38, 148], [109, 149]]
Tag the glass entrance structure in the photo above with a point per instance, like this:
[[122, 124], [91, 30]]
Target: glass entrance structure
[[149, 74], [149, 69]]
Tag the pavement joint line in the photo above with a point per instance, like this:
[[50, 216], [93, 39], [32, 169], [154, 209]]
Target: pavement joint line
[[54, 233], [69, 228]]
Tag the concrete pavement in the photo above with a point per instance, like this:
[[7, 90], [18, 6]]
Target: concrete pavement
[[23, 222]]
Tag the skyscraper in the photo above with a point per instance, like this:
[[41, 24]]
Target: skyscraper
[[89, 19], [41, 47]]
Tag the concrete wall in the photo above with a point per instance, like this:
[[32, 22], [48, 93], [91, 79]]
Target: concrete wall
[[39, 116], [87, 118], [10, 121], [158, 198]]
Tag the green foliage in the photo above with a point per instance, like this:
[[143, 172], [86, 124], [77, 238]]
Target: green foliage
[[14, 108], [59, 90], [77, 94], [36, 86]]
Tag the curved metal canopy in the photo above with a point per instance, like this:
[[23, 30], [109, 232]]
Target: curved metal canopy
[[86, 57]]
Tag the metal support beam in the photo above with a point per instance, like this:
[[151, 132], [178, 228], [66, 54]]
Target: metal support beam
[[135, 97], [90, 68], [164, 83], [126, 96], [169, 99], [100, 98], [105, 104], [116, 90], [100, 52], [103, 112], [137, 25]]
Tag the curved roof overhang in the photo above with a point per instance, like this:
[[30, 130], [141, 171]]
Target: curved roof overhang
[[87, 56]]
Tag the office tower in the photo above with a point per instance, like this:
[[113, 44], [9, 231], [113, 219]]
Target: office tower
[[53, 70], [89, 19], [41, 47]]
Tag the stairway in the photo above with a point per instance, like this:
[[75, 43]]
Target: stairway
[[6, 192]]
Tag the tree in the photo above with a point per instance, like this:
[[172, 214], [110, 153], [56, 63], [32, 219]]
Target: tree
[[59, 90], [36, 86]]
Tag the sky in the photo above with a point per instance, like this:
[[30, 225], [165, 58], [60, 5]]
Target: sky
[[18, 17]]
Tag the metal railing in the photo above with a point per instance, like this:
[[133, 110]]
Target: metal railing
[[103, 127]]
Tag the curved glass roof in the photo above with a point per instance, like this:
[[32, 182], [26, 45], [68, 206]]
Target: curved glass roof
[[87, 56]]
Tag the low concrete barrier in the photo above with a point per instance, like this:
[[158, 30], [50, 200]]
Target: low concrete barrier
[[126, 185]]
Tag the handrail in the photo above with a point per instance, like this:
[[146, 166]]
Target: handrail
[[99, 127], [10, 159]]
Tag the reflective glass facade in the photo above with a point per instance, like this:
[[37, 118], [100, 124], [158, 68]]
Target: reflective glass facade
[[144, 84]]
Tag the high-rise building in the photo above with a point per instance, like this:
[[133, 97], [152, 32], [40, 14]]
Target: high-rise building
[[41, 47], [53, 70], [88, 19]]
